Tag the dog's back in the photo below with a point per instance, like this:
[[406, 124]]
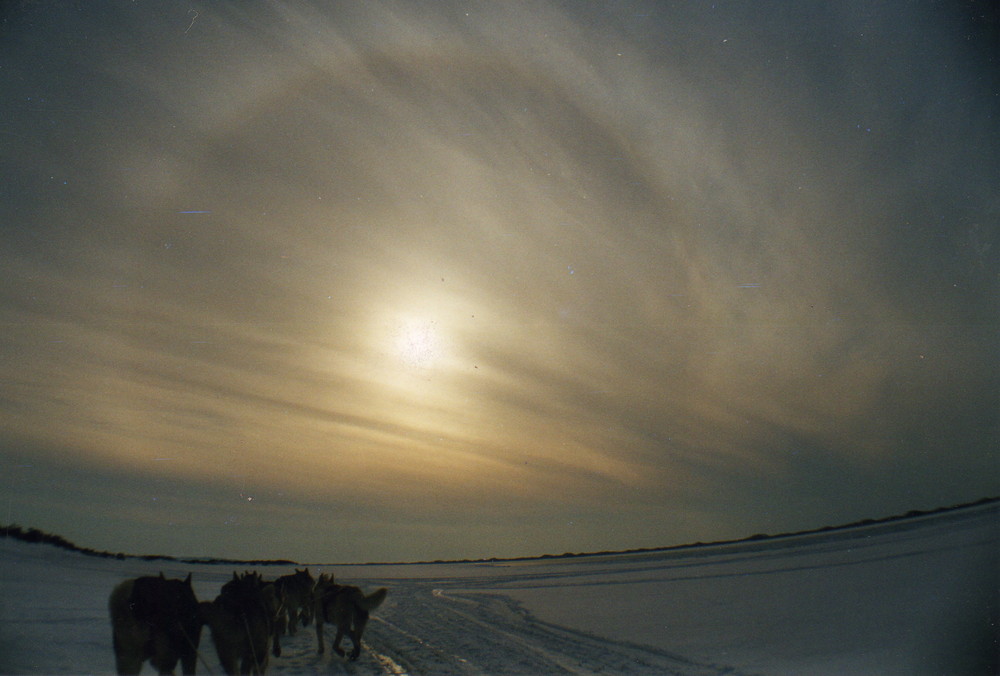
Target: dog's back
[[241, 625], [296, 591], [156, 619]]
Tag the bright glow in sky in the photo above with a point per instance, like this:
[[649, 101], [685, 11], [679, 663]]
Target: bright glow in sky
[[417, 342], [386, 280]]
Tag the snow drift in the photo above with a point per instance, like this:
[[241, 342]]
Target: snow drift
[[911, 596]]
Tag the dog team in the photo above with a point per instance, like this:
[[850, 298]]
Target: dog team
[[160, 619]]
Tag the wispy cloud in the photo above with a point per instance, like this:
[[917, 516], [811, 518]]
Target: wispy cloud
[[578, 258]]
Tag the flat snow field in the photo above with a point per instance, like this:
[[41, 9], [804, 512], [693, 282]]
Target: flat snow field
[[914, 596]]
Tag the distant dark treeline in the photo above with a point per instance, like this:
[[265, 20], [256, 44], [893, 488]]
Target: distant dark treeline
[[34, 535], [912, 514]]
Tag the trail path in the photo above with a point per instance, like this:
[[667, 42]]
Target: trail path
[[426, 629]]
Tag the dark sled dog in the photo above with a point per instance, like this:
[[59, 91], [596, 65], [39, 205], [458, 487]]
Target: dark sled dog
[[296, 590], [347, 608], [275, 604], [241, 625], [155, 619]]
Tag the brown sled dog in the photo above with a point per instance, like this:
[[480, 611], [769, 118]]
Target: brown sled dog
[[155, 619], [347, 608], [296, 591], [241, 625]]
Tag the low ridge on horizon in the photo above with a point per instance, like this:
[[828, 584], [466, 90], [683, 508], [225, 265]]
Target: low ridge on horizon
[[36, 536]]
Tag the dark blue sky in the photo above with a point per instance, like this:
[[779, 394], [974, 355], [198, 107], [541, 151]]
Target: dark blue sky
[[337, 281]]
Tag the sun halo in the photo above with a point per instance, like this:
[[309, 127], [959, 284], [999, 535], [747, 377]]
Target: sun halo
[[417, 342]]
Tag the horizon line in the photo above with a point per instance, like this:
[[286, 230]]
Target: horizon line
[[33, 535]]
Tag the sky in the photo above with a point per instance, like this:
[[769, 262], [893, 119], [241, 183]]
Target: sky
[[390, 281]]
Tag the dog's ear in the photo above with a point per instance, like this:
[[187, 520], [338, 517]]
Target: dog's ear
[[235, 578], [161, 576], [188, 579]]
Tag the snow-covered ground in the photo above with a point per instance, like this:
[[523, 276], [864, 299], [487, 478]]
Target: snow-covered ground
[[906, 597]]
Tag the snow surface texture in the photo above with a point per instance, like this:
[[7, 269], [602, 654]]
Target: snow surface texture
[[908, 597]]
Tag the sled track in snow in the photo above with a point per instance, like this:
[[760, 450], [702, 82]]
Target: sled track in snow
[[421, 630]]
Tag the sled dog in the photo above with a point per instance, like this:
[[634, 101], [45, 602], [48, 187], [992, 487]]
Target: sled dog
[[275, 604], [155, 619], [241, 625], [296, 590], [345, 607]]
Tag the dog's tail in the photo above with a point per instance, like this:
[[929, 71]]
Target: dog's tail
[[373, 600]]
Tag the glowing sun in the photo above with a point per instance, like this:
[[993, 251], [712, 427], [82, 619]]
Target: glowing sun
[[417, 342]]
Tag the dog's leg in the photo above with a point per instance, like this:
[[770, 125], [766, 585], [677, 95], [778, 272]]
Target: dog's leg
[[319, 631], [164, 665], [164, 658], [356, 650], [127, 661], [189, 661], [336, 641], [228, 647], [250, 665], [127, 665], [230, 663], [128, 658], [360, 620]]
